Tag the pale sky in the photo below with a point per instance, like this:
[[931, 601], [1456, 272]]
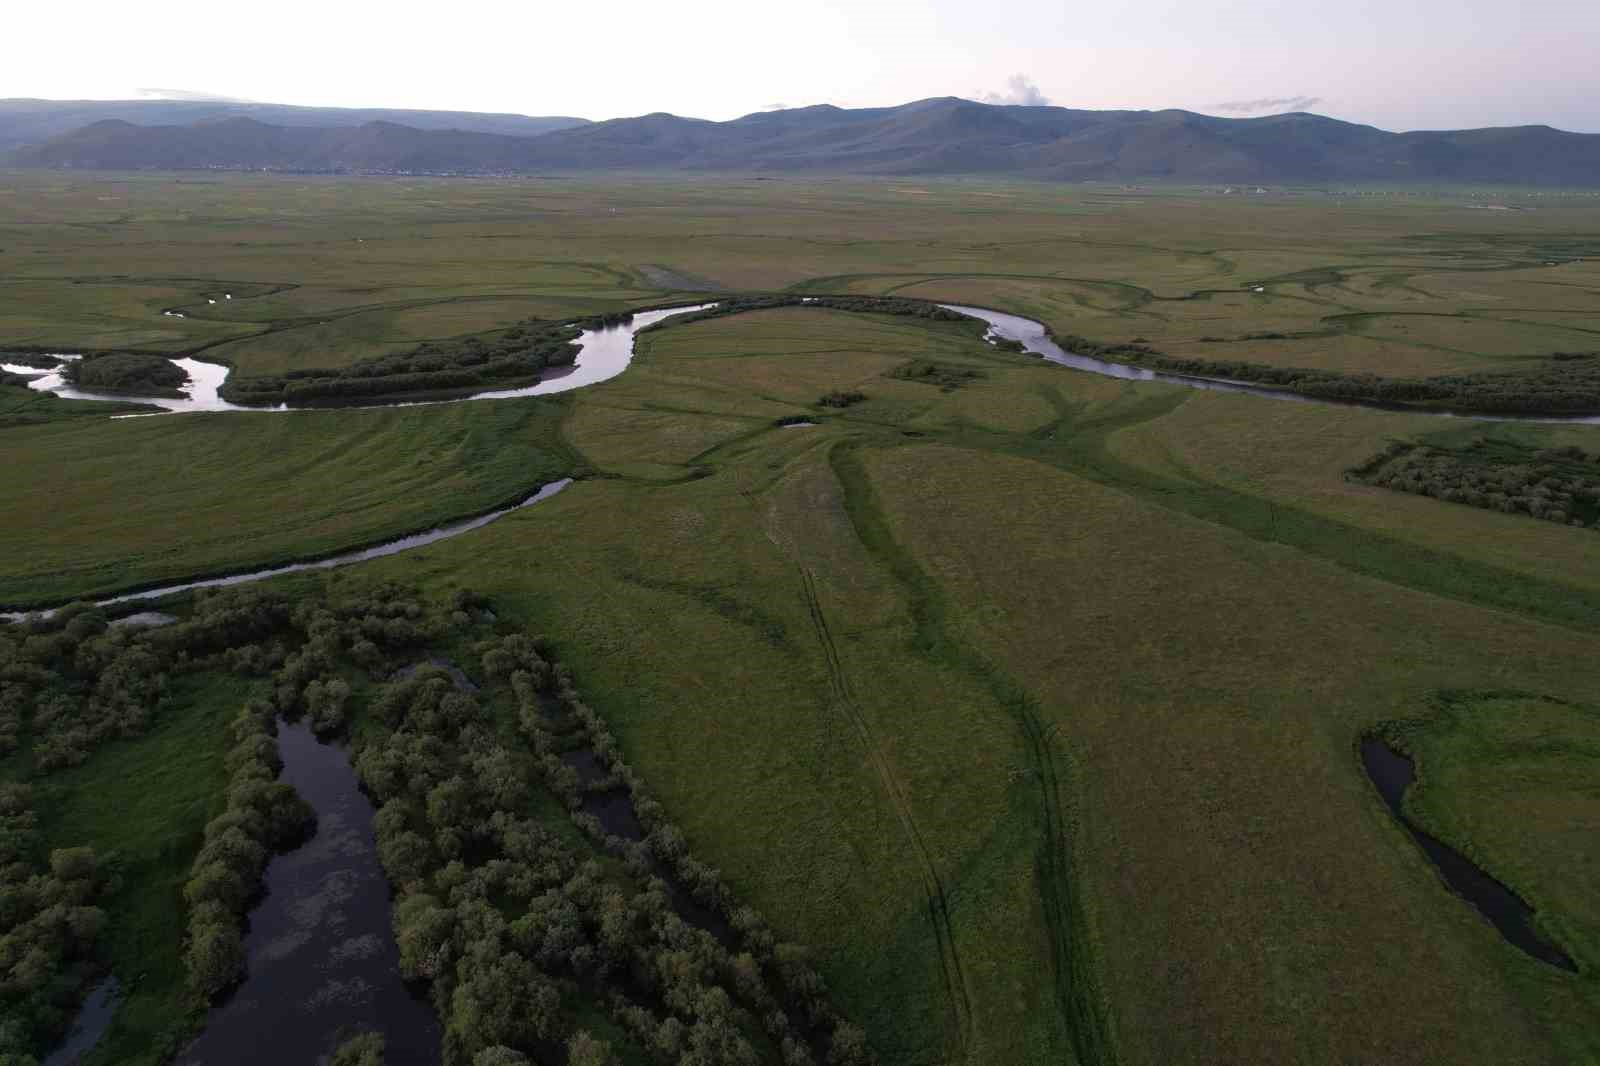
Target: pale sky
[[1412, 64]]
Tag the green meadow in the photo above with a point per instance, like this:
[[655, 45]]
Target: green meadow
[[1028, 699]]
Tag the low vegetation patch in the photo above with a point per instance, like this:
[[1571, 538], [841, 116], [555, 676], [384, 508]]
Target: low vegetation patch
[[840, 399], [1557, 485], [946, 376]]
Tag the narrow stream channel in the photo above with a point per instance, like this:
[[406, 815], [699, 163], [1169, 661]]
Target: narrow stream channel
[[1035, 339], [392, 547], [1393, 773], [322, 959]]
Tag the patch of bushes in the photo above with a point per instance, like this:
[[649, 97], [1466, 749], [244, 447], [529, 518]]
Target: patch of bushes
[[509, 922], [49, 924], [37, 360], [877, 305], [126, 372], [944, 375], [263, 816], [1561, 383], [1556, 485], [839, 399], [501, 359]]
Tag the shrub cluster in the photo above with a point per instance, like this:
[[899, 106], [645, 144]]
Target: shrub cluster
[[1562, 383], [1557, 485], [508, 921], [48, 928], [771, 980], [946, 376], [878, 305], [125, 372], [838, 398], [263, 815], [79, 681], [491, 360]]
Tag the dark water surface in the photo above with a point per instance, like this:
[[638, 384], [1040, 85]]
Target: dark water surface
[[1393, 773], [90, 1024], [323, 962]]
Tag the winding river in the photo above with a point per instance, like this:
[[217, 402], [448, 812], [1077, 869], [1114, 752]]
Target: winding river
[[1035, 339], [603, 354]]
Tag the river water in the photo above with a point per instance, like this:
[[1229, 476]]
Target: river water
[[602, 354], [1035, 339], [322, 962]]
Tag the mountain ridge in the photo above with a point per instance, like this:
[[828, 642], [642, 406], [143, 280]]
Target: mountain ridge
[[25, 121], [941, 135]]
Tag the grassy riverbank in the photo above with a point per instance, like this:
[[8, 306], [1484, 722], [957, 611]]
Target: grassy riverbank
[[1031, 704], [153, 500]]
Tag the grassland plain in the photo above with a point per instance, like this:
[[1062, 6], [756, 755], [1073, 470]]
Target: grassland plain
[[1032, 704], [208, 493]]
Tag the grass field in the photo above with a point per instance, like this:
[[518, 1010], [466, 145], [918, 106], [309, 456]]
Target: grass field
[[208, 493], [1031, 705]]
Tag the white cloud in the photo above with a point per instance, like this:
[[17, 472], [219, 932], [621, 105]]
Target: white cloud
[[190, 94], [1019, 90]]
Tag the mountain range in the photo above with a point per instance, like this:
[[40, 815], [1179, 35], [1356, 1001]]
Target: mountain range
[[28, 122], [937, 136]]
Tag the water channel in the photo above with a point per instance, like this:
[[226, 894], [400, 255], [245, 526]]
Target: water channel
[[1392, 773], [322, 963]]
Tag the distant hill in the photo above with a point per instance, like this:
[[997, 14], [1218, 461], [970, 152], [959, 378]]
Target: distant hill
[[939, 136], [30, 122]]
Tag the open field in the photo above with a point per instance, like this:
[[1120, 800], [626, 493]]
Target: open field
[[175, 488], [1031, 704]]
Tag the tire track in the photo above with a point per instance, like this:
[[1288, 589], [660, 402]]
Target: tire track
[[938, 905]]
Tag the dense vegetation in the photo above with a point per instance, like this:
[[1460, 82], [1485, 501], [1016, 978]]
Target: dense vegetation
[[37, 360], [878, 305], [946, 376], [513, 925], [520, 926], [1563, 383], [501, 359], [126, 372], [1556, 484], [49, 923], [263, 816]]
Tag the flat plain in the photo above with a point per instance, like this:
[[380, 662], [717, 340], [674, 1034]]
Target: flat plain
[[1030, 703]]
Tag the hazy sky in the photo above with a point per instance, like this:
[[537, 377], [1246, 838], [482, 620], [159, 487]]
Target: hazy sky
[[1422, 64]]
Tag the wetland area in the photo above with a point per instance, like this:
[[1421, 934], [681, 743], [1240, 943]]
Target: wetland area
[[941, 702]]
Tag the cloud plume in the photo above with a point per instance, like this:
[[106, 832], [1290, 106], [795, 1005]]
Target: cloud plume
[[1274, 104], [192, 95], [1019, 90]]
